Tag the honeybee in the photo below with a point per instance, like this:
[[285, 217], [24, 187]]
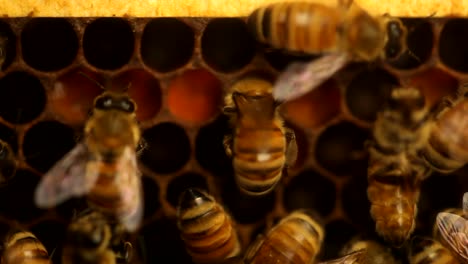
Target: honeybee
[[21, 247], [261, 146], [90, 240], [429, 251], [343, 33], [395, 172], [447, 150], [372, 252], [297, 238], [7, 162], [453, 228], [206, 229], [103, 166]]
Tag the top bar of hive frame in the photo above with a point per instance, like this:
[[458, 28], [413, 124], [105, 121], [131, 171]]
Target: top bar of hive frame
[[210, 8]]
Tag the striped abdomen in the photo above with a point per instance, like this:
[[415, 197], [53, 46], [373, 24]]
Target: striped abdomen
[[206, 229], [24, 248], [259, 158], [393, 191], [295, 239], [303, 27], [429, 251], [447, 149]]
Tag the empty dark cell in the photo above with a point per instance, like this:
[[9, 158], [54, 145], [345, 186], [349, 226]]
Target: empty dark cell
[[161, 243], [7, 45], [178, 185], [311, 191], [337, 234], [226, 44], [168, 148], [52, 234], [108, 43], [209, 149], [47, 142], [22, 97], [167, 44], [340, 148], [17, 198], [151, 192], [452, 44], [367, 92], [49, 44], [419, 43], [355, 203], [280, 59], [246, 209]]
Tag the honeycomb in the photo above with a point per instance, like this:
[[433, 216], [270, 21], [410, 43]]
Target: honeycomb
[[177, 70]]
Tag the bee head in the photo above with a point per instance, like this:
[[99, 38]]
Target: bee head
[[254, 104], [396, 38]]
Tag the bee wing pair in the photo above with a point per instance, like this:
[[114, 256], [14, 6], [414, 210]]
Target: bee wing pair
[[454, 230], [356, 257], [300, 78], [75, 176]]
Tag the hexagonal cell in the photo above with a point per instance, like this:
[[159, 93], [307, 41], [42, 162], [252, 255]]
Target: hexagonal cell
[[337, 234], [280, 59], [312, 191], [195, 96], [49, 44], [209, 150], [47, 142], [167, 44], [452, 44], [226, 44], [73, 94], [52, 235], [7, 45], [434, 84], [355, 203], [316, 107], [419, 42], [151, 194], [23, 97], [108, 43], [340, 149], [181, 183], [144, 89], [168, 148], [367, 92], [17, 198]]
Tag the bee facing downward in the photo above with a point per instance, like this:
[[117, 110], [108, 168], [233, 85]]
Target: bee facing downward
[[89, 240], [23, 247], [344, 33], [103, 166], [261, 146], [297, 238], [206, 229], [395, 172]]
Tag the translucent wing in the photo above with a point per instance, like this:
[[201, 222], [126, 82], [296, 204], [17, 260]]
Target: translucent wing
[[129, 182], [465, 203], [71, 176], [300, 78], [454, 230], [356, 257]]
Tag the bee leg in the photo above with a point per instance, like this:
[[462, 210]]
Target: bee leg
[[128, 252], [227, 143], [291, 147], [142, 145]]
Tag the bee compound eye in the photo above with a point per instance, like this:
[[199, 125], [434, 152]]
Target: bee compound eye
[[105, 102]]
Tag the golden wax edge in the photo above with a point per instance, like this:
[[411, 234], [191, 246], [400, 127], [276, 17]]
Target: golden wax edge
[[210, 8]]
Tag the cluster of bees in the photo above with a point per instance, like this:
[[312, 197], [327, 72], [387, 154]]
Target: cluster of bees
[[410, 141]]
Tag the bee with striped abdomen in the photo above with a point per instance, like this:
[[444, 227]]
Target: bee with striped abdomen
[[297, 238], [261, 146], [23, 247], [104, 166], [344, 33], [395, 172], [90, 241], [373, 251], [429, 251], [206, 228]]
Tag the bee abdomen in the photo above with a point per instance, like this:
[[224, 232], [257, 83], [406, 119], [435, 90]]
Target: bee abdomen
[[206, 229], [24, 248], [428, 251], [303, 27]]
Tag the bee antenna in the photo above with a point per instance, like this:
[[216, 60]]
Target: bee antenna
[[52, 253], [128, 87], [412, 55], [91, 79]]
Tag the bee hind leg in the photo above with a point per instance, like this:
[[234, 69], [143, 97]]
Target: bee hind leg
[[291, 147]]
